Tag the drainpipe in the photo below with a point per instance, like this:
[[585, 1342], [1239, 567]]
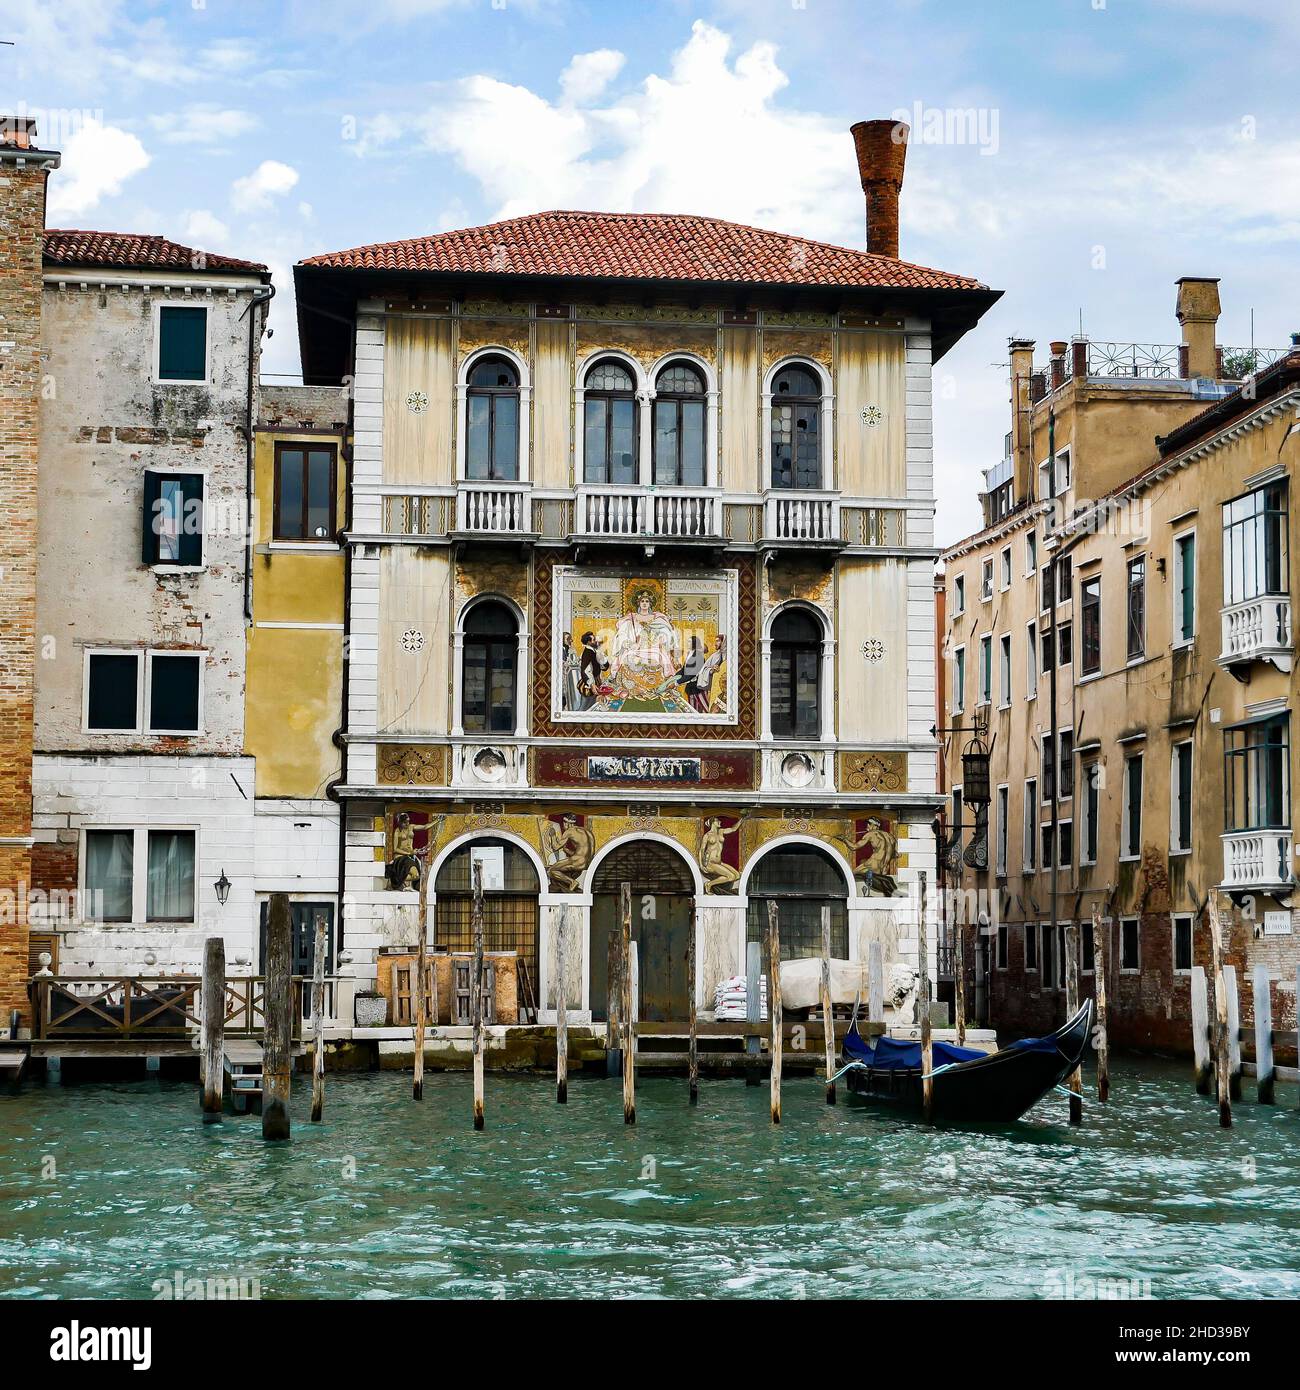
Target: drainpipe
[[258, 297]]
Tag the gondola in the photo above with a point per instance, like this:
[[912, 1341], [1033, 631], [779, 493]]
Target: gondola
[[969, 1086]]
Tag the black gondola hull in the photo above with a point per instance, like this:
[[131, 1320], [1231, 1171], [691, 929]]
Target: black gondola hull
[[998, 1088]]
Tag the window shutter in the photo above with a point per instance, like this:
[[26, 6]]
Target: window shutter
[[149, 543], [192, 520]]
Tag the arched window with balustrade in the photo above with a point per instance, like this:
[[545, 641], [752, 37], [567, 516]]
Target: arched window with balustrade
[[492, 421], [610, 448], [796, 442], [679, 426]]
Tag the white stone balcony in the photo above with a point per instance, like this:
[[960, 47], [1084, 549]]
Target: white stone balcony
[[1256, 859], [639, 513], [494, 509], [796, 517], [1258, 630]]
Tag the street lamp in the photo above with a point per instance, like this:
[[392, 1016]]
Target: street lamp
[[222, 887]]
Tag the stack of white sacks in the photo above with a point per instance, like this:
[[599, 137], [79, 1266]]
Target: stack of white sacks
[[729, 998]]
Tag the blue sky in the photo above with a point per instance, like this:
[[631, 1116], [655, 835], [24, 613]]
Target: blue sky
[[1112, 145]]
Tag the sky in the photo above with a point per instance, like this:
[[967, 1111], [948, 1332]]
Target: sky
[[1079, 155]]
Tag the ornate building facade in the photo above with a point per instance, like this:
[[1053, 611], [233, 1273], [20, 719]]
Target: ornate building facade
[[639, 552]]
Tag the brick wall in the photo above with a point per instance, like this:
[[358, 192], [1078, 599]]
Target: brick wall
[[22, 213]]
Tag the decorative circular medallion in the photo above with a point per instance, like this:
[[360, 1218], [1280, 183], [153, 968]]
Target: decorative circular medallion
[[797, 769], [872, 415], [873, 649], [413, 639], [489, 765], [417, 402]]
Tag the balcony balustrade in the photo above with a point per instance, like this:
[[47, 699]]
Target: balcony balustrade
[[797, 516], [635, 513], [494, 509], [1258, 630], [1256, 859]]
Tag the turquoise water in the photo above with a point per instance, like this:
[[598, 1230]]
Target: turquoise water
[[390, 1199]]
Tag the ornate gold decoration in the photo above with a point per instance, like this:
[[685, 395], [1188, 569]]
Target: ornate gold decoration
[[412, 765], [640, 313], [873, 772]]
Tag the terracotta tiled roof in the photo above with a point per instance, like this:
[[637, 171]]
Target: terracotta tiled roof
[[130, 251], [670, 246]]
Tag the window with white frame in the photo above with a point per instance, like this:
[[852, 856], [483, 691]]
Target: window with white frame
[[181, 344], [1002, 816], [1089, 810], [1131, 814], [1180, 798], [172, 518], [154, 692], [1030, 845], [1065, 764], [1004, 576], [986, 580], [1130, 946], [1031, 552], [1048, 840], [1184, 627], [959, 679], [1182, 927], [1031, 661], [1004, 669], [986, 670], [1048, 957], [1136, 609], [1255, 544], [139, 873], [1065, 847], [959, 596]]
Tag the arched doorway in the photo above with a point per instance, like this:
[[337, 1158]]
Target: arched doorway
[[801, 880], [663, 893], [510, 913]]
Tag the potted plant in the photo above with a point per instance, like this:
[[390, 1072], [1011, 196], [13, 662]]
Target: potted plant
[[370, 1010]]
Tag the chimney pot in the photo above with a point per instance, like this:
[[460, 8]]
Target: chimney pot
[[881, 147], [19, 132]]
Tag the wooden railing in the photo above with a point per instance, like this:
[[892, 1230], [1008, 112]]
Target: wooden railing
[[121, 1007]]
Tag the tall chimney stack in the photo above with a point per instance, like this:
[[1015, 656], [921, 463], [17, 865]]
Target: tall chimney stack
[[882, 150], [1198, 313]]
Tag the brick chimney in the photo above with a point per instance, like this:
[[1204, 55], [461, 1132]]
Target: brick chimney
[[882, 150], [1198, 312], [1022, 369], [23, 171]]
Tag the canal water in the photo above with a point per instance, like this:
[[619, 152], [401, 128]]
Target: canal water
[[107, 1190]]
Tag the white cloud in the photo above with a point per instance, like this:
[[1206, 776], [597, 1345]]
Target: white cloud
[[97, 161], [588, 74], [269, 180], [205, 230], [229, 55], [204, 123]]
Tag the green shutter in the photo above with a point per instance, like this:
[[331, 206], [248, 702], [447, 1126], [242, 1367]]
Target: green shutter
[[149, 539], [182, 343], [191, 547]]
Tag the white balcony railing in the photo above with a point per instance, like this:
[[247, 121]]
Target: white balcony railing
[[498, 509], [1258, 630], [668, 513], [1256, 858], [801, 516]]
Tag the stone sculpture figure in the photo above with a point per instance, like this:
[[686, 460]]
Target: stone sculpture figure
[[717, 874], [403, 868], [569, 847]]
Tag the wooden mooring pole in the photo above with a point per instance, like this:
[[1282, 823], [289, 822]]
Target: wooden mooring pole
[[693, 1041], [320, 946], [875, 982], [1200, 1030], [774, 1004], [419, 1010], [927, 1043], [828, 1011], [1100, 955], [476, 1007], [214, 1028], [561, 1012], [1220, 1017], [277, 1039], [1234, 1032], [629, 1036], [614, 1001], [1265, 1074], [1075, 1080]]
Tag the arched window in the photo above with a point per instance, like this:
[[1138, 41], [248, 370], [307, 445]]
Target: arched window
[[609, 448], [795, 683], [801, 880], [492, 421], [679, 426], [488, 677], [796, 428]]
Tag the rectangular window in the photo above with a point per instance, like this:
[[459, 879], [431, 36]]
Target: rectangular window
[[170, 889], [1137, 608], [1030, 843], [986, 670], [305, 487], [1087, 950], [1047, 767], [959, 596], [1065, 854], [1004, 669], [1048, 646], [113, 692], [1064, 644], [1090, 620], [1131, 829], [182, 343], [1002, 829], [1129, 953], [109, 874], [1031, 552], [173, 519], [959, 679], [1031, 661], [1257, 775], [1002, 948], [1049, 956], [1005, 575], [1182, 945], [174, 683], [986, 580], [1255, 545], [1047, 585], [1031, 946], [1184, 587], [1180, 795], [1090, 811], [1046, 831], [1065, 764]]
